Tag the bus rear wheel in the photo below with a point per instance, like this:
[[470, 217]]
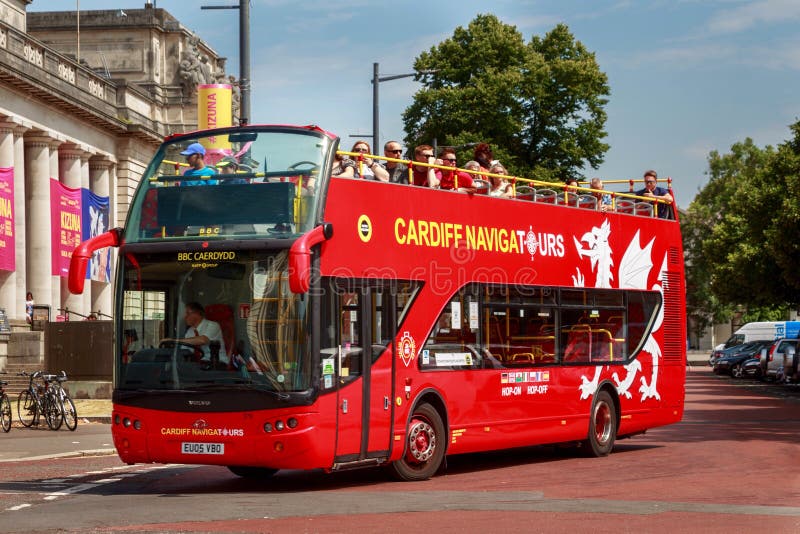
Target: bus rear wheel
[[602, 425], [252, 472], [425, 445]]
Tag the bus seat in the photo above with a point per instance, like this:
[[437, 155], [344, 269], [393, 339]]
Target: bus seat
[[149, 217], [548, 196], [625, 206], [587, 202], [643, 209], [222, 314], [578, 346]]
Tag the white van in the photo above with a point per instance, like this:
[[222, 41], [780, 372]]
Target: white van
[[762, 330]]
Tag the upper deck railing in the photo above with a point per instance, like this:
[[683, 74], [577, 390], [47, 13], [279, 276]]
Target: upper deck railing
[[542, 191], [581, 196]]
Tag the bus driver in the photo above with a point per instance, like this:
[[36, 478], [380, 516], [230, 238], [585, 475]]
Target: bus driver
[[202, 332]]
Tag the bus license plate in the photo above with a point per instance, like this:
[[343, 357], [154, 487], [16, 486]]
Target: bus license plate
[[202, 448]]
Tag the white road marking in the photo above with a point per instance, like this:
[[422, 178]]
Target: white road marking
[[18, 507]]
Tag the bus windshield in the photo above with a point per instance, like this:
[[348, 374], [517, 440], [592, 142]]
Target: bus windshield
[[248, 183], [195, 320]]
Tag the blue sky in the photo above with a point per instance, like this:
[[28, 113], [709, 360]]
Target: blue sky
[[686, 76]]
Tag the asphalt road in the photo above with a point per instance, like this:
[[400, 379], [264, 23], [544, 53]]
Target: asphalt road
[[729, 467]]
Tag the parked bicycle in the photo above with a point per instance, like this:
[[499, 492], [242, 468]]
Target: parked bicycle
[[68, 411], [39, 399], [5, 408]]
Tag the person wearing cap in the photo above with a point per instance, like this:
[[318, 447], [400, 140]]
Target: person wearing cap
[[195, 154], [229, 165]]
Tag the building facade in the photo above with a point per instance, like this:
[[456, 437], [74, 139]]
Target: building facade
[[84, 103]]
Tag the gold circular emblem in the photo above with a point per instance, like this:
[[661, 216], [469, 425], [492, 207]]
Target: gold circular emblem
[[364, 228]]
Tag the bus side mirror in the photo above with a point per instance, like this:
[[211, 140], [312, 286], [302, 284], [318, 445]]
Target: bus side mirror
[[82, 253], [300, 257]]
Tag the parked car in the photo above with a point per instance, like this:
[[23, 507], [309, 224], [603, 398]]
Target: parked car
[[762, 330], [752, 368], [772, 360], [716, 354], [731, 364]]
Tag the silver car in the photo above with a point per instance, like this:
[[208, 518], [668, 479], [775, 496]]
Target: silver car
[[773, 359]]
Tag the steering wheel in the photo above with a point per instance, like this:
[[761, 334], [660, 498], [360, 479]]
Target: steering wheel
[[173, 343], [194, 353], [295, 166]]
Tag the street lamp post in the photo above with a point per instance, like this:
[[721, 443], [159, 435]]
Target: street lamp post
[[244, 57], [376, 79]]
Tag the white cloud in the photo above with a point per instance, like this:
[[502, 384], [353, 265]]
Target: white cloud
[[751, 14]]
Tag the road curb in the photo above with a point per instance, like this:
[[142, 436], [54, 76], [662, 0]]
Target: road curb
[[72, 454]]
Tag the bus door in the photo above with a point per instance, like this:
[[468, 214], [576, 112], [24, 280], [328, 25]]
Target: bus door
[[366, 318]]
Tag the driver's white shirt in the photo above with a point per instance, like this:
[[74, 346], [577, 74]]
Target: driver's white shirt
[[213, 332]]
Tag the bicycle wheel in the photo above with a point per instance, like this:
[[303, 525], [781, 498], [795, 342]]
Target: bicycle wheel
[[5, 413], [53, 413], [70, 413], [27, 410]]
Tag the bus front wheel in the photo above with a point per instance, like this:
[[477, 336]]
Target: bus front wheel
[[602, 425], [425, 445]]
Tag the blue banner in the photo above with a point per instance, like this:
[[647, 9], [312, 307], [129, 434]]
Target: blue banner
[[95, 222]]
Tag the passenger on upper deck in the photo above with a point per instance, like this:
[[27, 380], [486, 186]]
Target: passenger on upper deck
[[472, 165], [370, 170], [603, 199], [652, 191], [195, 155], [449, 178], [500, 187], [426, 176], [483, 155], [343, 167], [398, 172]]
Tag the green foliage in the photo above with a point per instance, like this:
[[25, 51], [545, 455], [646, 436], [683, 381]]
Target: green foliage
[[539, 104], [740, 234]]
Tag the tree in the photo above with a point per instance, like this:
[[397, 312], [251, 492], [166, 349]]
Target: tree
[[740, 233], [541, 103]]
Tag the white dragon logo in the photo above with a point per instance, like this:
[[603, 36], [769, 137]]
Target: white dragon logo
[[634, 270]]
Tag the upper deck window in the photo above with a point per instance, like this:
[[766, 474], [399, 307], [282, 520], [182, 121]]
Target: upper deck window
[[255, 182]]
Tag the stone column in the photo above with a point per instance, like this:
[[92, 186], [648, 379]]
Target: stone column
[[37, 219], [20, 209], [99, 180], [8, 279], [55, 280], [70, 175]]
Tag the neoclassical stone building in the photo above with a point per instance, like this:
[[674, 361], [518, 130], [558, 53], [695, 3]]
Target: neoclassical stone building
[[86, 110]]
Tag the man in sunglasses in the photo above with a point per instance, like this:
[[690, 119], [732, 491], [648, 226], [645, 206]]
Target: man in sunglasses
[[651, 190], [426, 176], [450, 178], [398, 172]]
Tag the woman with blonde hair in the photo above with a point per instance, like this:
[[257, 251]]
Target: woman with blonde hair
[[500, 187]]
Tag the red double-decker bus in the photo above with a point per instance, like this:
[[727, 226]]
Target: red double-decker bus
[[363, 323]]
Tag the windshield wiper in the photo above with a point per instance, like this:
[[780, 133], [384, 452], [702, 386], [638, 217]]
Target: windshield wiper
[[241, 385]]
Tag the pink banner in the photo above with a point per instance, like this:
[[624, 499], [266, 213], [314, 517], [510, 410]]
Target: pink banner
[[7, 242], [65, 214]]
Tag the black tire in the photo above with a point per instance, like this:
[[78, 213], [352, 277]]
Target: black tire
[[5, 413], [70, 414], [53, 413], [252, 472], [737, 371], [602, 425], [425, 445], [27, 410]]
